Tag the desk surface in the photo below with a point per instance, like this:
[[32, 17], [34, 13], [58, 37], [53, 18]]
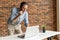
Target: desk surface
[[39, 37]]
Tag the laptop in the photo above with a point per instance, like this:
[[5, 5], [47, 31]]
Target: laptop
[[30, 32]]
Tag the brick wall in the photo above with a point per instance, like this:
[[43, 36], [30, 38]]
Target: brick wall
[[40, 12]]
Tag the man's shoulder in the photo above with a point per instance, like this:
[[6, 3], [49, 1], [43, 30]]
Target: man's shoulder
[[15, 10]]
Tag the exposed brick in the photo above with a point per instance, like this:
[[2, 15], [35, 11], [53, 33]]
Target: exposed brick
[[40, 12]]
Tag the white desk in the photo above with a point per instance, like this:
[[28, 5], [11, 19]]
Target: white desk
[[37, 37]]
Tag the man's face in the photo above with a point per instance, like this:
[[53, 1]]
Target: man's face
[[25, 7]]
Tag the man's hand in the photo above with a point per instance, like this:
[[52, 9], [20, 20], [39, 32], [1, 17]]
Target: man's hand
[[20, 13], [15, 20]]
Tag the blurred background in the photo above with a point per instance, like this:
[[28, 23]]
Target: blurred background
[[41, 12]]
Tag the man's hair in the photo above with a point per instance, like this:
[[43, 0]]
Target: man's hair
[[22, 4]]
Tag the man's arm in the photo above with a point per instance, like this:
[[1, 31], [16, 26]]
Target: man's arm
[[28, 25], [26, 20], [16, 18]]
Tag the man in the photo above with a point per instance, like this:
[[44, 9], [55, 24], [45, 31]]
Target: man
[[14, 22]]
